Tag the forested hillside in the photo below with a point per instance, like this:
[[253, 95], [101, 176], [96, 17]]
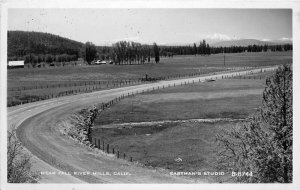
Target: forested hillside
[[21, 43], [38, 47]]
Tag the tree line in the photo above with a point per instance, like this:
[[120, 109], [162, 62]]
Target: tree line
[[205, 49], [123, 52], [252, 48], [130, 52], [37, 47], [202, 49], [48, 58]]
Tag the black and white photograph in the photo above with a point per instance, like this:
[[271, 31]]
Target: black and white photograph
[[149, 94]]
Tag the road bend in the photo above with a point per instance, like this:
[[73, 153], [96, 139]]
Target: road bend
[[70, 161]]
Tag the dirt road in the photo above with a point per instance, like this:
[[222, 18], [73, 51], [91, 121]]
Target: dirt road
[[59, 157]]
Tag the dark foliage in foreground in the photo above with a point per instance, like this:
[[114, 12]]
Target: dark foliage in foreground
[[264, 144]]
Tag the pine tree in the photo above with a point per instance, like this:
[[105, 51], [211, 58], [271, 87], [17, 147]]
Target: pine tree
[[90, 52], [278, 113], [264, 144], [195, 49], [156, 52]]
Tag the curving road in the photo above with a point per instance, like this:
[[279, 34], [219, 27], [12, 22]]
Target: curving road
[[53, 153]]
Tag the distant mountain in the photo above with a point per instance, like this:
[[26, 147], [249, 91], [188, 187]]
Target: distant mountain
[[20, 43], [283, 41], [247, 42]]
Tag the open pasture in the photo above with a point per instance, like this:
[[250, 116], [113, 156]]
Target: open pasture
[[162, 144], [177, 65], [230, 98], [23, 84]]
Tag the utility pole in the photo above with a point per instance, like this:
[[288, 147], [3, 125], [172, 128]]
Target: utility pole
[[28, 43], [224, 56]]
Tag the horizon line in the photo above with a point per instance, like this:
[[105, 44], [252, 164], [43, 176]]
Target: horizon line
[[166, 44]]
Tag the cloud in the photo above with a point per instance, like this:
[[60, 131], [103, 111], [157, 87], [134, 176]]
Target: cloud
[[220, 37]]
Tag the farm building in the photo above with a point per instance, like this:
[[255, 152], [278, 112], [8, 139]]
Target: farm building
[[15, 64], [98, 62]]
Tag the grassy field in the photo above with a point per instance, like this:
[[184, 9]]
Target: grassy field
[[52, 89], [167, 66], [231, 98], [41, 83], [194, 142], [159, 146], [251, 59]]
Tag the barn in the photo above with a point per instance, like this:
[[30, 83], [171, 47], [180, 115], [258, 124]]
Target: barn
[[15, 64]]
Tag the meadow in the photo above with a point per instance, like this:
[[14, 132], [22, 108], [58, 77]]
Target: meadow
[[33, 84], [168, 66], [161, 144]]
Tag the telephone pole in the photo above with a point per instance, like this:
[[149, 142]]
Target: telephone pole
[[224, 56]]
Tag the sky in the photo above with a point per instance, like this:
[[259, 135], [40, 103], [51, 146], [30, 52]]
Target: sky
[[163, 26]]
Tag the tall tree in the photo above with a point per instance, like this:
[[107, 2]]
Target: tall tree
[[264, 144], [278, 113], [195, 49], [156, 52], [90, 52]]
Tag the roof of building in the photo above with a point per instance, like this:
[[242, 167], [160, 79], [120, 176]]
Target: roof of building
[[16, 63]]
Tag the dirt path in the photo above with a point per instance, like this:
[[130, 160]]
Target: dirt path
[[152, 123], [52, 152]]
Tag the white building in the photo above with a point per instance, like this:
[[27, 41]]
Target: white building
[[15, 64]]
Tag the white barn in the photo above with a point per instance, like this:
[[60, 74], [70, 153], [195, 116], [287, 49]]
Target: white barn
[[14, 64]]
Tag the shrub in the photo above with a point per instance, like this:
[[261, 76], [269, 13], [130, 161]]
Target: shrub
[[264, 144], [18, 162]]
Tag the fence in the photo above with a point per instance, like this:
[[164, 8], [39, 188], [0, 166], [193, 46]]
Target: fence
[[106, 84], [101, 84], [101, 144], [106, 147], [90, 86], [247, 77]]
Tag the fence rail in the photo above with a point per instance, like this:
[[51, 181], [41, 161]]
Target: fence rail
[[89, 86], [75, 84], [106, 147]]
